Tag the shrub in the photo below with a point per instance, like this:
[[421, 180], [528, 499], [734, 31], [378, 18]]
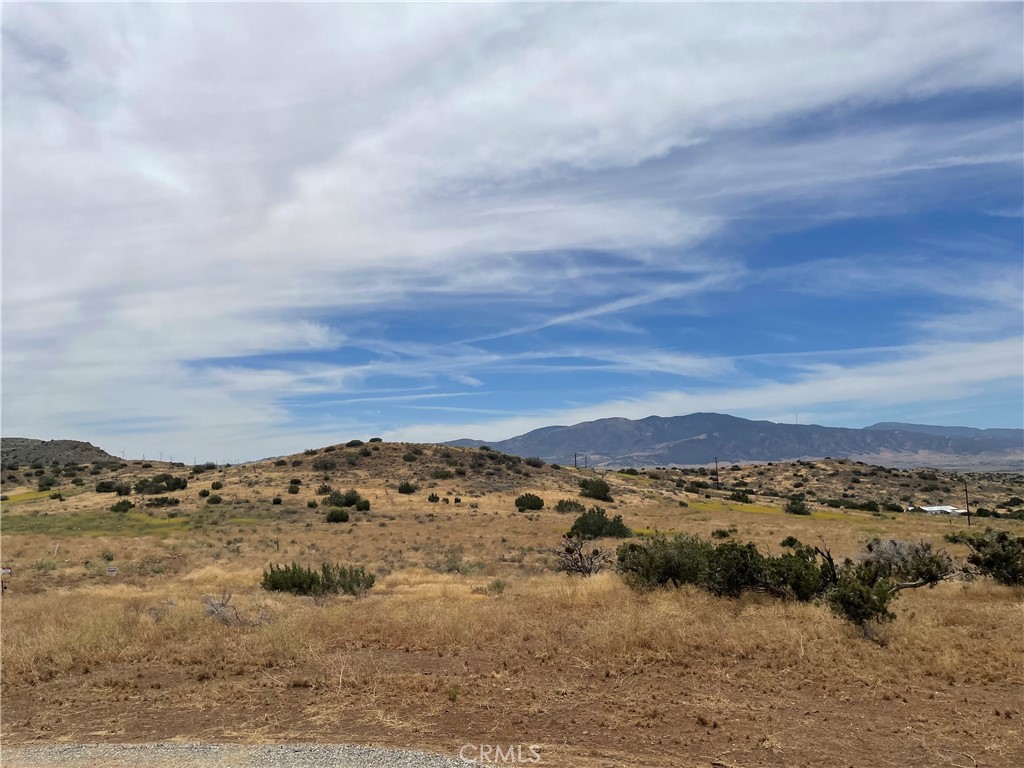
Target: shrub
[[323, 489], [337, 515], [121, 506], [105, 486], [296, 462], [363, 505], [57, 496], [376, 439], [995, 553], [281, 463], [276, 500], [204, 493], [741, 496], [323, 464], [433, 498], [442, 474], [569, 505], [629, 471], [214, 499], [529, 501], [349, 498], [796, 507], [312, 504], [595, 524], [293, 489], [353, 444], [330, 579], [216, 485], [595, 488], [310, 452], [720, 533], [162, 483], [329, 449], [534, 461], [163, 501], [123, 489], [409, 457], [407, 487]]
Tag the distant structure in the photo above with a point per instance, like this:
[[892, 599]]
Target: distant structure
[[944, 510]]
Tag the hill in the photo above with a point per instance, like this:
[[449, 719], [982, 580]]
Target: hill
[[700, 438], [24, 451]]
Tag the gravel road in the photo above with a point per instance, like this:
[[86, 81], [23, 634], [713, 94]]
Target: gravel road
[[219, 756]]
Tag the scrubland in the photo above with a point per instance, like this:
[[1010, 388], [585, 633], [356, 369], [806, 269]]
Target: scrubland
[[470, 637]]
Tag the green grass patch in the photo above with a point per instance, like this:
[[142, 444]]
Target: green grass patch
[[19, 498], [98, 523]]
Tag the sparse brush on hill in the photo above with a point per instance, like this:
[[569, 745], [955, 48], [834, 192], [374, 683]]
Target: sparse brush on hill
[[567, 506], [529, 501]]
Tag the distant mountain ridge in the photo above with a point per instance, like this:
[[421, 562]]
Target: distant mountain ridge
[[701, 437]]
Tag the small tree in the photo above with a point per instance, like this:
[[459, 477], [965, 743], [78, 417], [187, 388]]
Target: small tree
[[796, 507], [995, 553]]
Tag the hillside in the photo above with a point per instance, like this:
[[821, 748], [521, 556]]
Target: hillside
[[23, 451], [700, 438], [110, 616]]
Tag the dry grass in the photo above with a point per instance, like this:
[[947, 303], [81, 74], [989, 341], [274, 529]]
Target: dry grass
[[437, 656]]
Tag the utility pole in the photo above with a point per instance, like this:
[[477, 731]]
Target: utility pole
[[967, 501], [718, 482], [575, 464]]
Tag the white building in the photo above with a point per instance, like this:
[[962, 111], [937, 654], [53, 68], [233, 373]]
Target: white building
[[944, 510]]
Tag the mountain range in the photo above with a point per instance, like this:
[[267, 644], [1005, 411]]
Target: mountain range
[[701, 438]]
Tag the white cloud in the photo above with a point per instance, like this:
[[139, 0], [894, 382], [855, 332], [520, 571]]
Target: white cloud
[[185, 183]]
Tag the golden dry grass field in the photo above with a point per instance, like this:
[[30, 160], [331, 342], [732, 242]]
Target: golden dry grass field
[[470, 637]]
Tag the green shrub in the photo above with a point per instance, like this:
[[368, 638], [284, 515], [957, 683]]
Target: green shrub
[[337, 515], [323, 489], [995, 553], [529, 501], [312, 504], [216, 485], [163, 501], [433, 498], [105, 486], [281, 463], [121, 506], [204, 493], [323, 464], [407, 487], [162, 483], [629, 471], [349, 498], [409, 457], [720, 533], [353, 444], [363, 505], [569, 505], [276, 500], [214, 499], [534, 461], [595, 524], [595, 488], [293, 489], [796, 507], [376, 440], [442, 474], [330, 579], [57, 496], [741, 496]]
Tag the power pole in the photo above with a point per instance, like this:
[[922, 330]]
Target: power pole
[[718, 482], [967, 501], [574, 462]]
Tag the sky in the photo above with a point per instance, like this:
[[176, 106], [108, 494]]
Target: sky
[[233, 231]]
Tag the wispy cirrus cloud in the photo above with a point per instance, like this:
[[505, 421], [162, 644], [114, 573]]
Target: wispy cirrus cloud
[[220, 219]]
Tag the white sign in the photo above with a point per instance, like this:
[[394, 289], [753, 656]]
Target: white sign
[[112, 570], [6, 571]]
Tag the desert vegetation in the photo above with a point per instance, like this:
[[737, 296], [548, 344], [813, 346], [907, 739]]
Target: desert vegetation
[[722, 628]]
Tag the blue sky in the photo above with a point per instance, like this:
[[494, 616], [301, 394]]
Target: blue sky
[[232, 231]]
